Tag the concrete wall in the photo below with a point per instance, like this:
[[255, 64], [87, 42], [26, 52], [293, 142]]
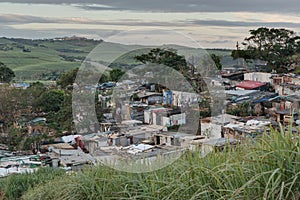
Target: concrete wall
[[211, 130], [280, 89], [257, 76], [181, 98]]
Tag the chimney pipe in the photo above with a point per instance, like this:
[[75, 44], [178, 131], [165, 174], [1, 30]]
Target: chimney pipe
[[282, 105]]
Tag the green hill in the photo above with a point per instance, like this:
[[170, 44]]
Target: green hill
[[45, 59], [42, 59]]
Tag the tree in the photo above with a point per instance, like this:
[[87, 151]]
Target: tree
[[157, 58], [116, 74], [6, 74], [63, 119], [217, 61], [242, 110], [15, 104], [104, 78], [168, 57], [67, 79], [51, 101], [14, 138], [35, 90], [277, 47]]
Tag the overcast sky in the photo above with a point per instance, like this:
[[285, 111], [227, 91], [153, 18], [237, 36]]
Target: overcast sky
[[212, 23]]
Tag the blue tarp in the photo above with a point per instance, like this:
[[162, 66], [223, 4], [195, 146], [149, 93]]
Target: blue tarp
[[262, 100]]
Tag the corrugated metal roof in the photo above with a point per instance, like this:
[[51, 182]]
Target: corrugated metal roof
[[239, 92]]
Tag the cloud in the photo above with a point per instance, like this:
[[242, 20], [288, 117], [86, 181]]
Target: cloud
[[219, 41], [278, 6], [25, 19], [21, 19], [7, 31], [226, 23]]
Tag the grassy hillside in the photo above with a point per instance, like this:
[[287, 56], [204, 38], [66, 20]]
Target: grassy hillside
[[36, 59], [45, 59], [267, 169]]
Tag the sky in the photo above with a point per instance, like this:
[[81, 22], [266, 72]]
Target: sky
[[207, 23]]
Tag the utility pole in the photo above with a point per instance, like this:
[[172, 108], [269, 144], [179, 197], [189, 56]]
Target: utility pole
[[238, 48]]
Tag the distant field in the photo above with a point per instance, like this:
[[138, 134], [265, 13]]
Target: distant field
[[45, 59], [41, 59]]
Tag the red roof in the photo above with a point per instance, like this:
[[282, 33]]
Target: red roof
[[248, 85]]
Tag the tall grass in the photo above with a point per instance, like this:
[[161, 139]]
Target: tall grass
[[13, 187], [266, 169]]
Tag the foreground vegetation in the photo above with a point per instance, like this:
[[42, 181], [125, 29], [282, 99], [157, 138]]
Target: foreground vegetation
[[266, 169], [14, 186]]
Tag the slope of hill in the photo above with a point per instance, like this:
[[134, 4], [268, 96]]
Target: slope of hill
[[39, 59], [45, 59]]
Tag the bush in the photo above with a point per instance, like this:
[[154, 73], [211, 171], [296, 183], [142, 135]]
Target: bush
[[242, 110]]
